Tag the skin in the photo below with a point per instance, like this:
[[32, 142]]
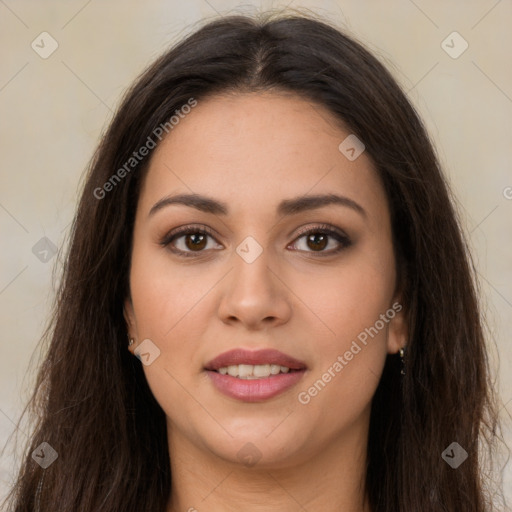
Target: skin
[[251, 151]]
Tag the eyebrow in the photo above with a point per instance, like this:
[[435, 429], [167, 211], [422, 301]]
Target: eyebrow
[[286, 207]]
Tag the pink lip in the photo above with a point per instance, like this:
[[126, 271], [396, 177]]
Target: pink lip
[[254, 390]]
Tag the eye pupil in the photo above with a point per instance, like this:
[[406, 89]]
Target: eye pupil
[[319, 241], [198, 241]]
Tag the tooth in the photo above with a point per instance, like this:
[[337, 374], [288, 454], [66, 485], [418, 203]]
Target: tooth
[[249, 371], [275, 369], [245, 370], [261, 370], [233, 370]]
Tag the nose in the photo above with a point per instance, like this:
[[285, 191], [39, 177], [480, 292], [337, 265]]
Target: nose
[[254, 296]]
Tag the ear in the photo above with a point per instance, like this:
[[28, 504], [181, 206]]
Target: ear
[[129, 316], [397, 328]]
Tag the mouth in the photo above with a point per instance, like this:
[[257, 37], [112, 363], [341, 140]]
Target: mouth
[[254, 376]]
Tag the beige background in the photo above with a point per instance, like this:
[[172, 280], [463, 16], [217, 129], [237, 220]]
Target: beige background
[[53, 110]]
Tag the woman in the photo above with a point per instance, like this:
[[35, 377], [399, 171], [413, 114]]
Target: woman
[[268, 303]]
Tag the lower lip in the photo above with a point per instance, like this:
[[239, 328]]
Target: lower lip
[[254, 390]]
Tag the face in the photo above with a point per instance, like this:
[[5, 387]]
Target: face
[[269, 266]]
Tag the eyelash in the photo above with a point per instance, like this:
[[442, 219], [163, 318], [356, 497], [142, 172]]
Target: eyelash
[[323, 229]]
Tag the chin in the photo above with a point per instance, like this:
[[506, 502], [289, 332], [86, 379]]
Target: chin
[[263, 444]]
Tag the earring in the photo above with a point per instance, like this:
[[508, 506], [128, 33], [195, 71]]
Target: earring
[[130, 341], [402, 359]]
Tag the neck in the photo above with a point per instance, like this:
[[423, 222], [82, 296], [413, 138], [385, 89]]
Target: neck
[[331, 479]]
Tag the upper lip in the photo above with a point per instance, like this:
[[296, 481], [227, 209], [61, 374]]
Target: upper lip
[[263, 356]]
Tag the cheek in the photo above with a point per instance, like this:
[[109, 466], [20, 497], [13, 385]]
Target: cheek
[[166, 296], [169, 305], [167, 302], [350, 298], [350, 353]]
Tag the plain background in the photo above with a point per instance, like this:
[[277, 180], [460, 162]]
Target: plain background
[[53, 110]]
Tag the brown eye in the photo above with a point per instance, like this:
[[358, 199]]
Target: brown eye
[[188, 240], [317, 239], [195, 241]]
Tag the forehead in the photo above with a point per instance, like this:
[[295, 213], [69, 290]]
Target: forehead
[[253, 150]]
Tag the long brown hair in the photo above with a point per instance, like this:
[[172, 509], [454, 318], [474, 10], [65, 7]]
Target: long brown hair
[[92, 402]]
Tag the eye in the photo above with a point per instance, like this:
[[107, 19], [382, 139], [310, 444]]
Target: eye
[[187, 240], [317, 238]]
